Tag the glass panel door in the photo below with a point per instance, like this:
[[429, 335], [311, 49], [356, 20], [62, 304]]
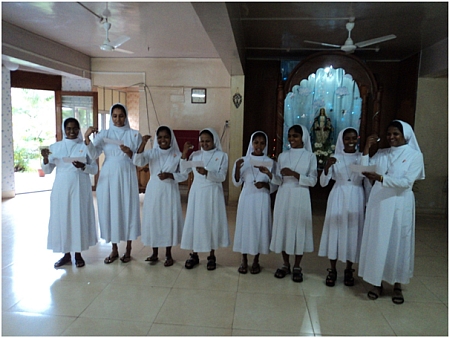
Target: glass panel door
[[81, 105]]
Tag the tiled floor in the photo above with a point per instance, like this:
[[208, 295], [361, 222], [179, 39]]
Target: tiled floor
[[136, 298]]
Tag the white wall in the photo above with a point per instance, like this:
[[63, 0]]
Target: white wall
[[166, 99], [431, 128], [169, 83]]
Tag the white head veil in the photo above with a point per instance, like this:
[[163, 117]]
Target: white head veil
[[409, 135], [411, 141], [305, 138], [111, 123], [250, 145], [79, 138], [340, 141], [173, 141], [216, 138]]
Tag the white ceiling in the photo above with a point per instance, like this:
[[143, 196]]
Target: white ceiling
[[157, 29], [234, 31]]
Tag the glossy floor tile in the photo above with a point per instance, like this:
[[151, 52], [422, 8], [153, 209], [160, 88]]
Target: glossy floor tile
[[142, 299]]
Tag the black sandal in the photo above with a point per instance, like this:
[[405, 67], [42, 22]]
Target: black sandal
[[152, 258], [79, 262], [331, 278], [375, 292], [297, 275], [211, 265], [397, 298], [348, 277], [283, 271], [63, 261], [191, 262], [243, 269], [255, 269], [168, 262]]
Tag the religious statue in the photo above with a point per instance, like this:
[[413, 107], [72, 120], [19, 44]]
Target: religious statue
[[322, 147], [322, 127]]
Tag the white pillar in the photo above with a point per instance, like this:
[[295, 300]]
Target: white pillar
[[236, 125], [8, 183]]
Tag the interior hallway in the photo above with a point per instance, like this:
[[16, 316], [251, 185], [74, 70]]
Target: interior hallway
[[137, 299]]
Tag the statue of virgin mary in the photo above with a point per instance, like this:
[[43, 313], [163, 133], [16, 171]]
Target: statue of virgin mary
[[322, 127]]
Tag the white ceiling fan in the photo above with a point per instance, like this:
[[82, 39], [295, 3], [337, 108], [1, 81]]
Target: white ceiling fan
[[108, 45], [349, 46]]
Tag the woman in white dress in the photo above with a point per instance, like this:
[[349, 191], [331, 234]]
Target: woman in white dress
[[292, 222], [72, 224], [206, 226], [344, 218], [117, 188], [162, 222], [254, 213], [387, 247]]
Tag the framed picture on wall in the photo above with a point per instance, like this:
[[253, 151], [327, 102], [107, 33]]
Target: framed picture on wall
[[198, 95]]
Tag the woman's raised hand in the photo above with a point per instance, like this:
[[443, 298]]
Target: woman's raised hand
[[330, 162], [264, 170], [91, 130], [45, 153], [187, 146], [146, 138], [371, 140]]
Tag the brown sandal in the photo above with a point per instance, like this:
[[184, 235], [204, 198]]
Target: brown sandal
[[243, 269], [125, 258], [283, 271], [168, 262], [63, 261], [331, 278], [110, 259], [255, 269], [152, 258]]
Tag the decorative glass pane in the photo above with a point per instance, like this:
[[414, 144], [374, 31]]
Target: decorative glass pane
[[80, 107], [331, 92]]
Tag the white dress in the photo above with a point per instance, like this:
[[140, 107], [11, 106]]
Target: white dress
[[162, 221], [72, 226], [254, 212], [117, 187], [344, 217], [206, 225], [387, 247], [292, 220]]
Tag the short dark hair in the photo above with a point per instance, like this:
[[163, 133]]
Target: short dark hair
[[207, 132], [259, 134], [297, 128], [71, 119], [349, 130], [398, 125], [121, 107], [163, 128]]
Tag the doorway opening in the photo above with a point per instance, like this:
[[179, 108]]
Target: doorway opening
[[33, 115]]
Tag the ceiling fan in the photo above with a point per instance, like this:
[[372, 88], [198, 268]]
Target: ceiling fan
[[349, 46], [108, 45]]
